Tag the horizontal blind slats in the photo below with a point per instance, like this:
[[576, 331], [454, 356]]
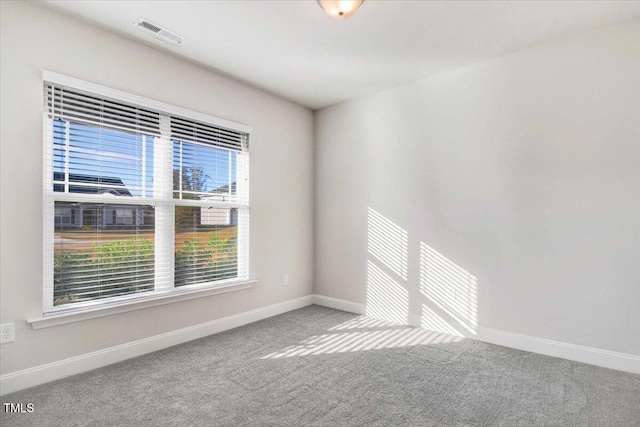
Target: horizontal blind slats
[[189, 130], [67, 103], [90, 286], [106, 247]]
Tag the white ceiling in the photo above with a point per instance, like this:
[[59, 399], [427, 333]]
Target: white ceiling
[[293, 49]]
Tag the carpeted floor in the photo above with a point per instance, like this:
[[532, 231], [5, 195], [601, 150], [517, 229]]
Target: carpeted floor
[[323, 367]]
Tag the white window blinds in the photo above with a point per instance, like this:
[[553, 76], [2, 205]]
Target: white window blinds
[[184, 129], [210, 167], [69, 104], [114, 229]]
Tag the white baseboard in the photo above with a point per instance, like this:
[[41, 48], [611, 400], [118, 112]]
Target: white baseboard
[[338, 304], [593, 356], [26, 378]]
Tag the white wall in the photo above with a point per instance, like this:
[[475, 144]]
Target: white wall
[[514, 183], [35, 38]]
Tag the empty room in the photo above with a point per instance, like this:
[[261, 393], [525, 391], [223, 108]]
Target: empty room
[[320, 213]]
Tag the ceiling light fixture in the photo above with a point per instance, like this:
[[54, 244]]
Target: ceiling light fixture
[[340, 9]]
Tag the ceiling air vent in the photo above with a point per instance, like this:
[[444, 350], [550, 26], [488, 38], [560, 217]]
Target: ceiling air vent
[[159, 32]]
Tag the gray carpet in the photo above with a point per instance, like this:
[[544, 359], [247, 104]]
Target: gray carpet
[[323, 367]]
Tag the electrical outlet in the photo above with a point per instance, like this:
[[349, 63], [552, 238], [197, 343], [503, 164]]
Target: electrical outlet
[[7, 332], [285, 281]]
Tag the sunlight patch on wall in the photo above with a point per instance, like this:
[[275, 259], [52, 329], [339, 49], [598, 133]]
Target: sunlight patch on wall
[[431, 320], [451, 293], [388, 243], [363, 341], [386, 298]]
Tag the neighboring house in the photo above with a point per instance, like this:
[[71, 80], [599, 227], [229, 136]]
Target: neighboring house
[[98, 215], [113, 214], [219, 216]]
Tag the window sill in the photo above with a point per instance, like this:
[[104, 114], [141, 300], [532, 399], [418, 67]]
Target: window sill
[[151, 301]]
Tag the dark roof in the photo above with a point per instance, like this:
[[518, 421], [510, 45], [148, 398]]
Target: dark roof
[[76, 182], [225, 189]]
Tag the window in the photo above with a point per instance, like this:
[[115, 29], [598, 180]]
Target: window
[[63, 216], [124, 216], [141, 198]]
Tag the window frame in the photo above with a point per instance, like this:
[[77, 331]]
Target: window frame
[[162, 200]]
